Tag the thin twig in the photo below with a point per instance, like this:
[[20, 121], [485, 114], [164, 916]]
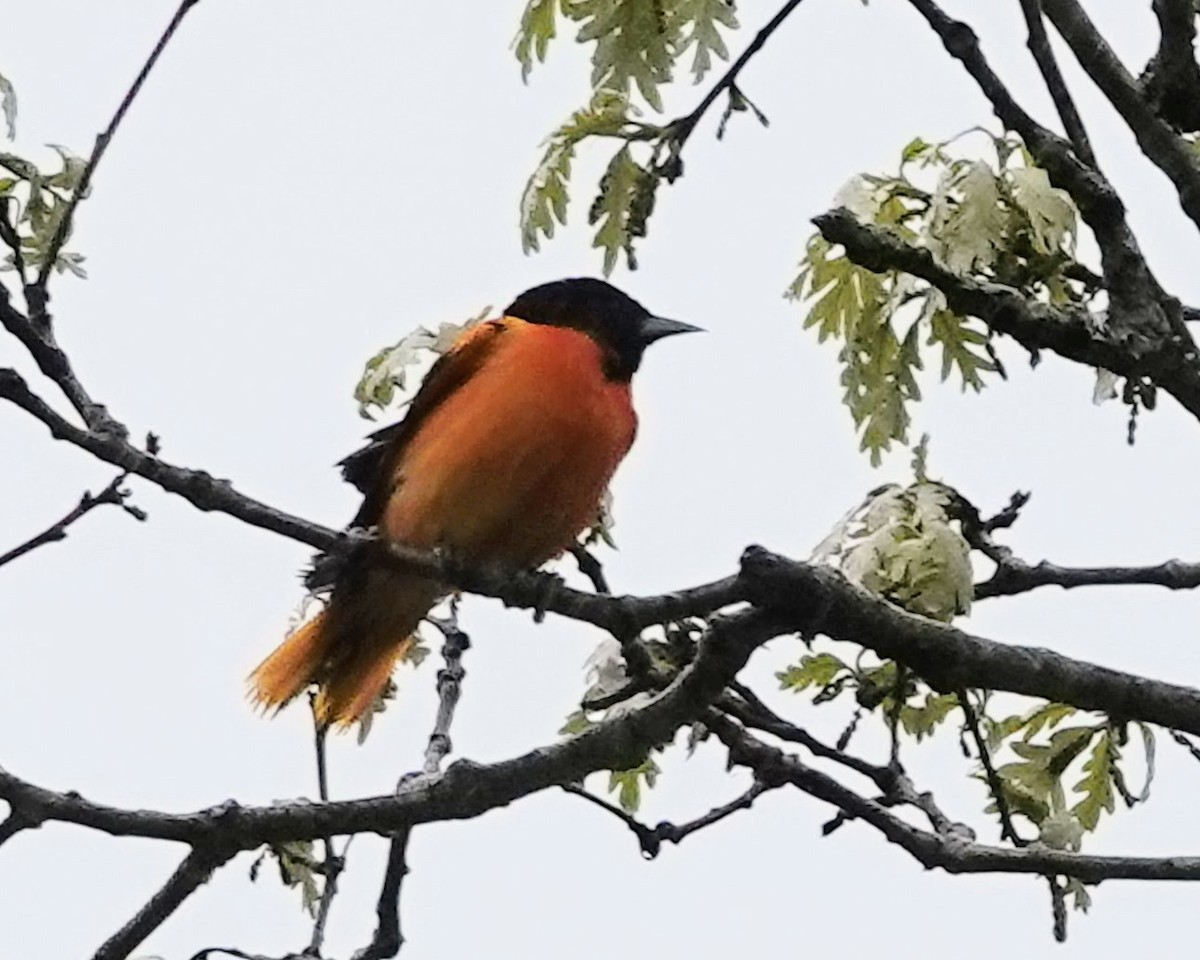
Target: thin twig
[[1187, 744], [1043, 53], [995, 785], [683, 128], [63, 230], [449, 688], [195, 870], [332, 865], [113, 494], [651, 839]]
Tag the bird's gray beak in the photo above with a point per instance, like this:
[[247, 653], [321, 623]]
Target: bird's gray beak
[[655, 328]]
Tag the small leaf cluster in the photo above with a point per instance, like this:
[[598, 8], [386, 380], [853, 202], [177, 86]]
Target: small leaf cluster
[[605, 675], [33, 201], [635, 47], [388, 372], [297, 868], [635, 43], [998, 221], [905, 545], [1064, 778]]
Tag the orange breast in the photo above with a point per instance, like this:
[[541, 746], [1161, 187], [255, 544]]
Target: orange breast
[[511, 466]]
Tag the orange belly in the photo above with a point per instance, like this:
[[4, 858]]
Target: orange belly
[[512, 465]]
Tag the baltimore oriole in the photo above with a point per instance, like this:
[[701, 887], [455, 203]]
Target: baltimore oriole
[[502, 459]]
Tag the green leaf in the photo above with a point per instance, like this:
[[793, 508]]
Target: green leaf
[[812, 670], [539, 25], [577, 723], [924, 720], [1050, 211], [915, 149], [295, 859], [544, 200], [388, 371], [622, 208], [628, 783], [959, 342], [901, 544], [698, 20], [1048, 716], [1097, 782], [966, 220], [633, 44]]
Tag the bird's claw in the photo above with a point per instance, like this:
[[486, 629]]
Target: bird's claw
[[548, 585]]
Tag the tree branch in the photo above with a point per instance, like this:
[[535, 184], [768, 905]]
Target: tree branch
[[1157, 140], [195, 870], [651, 839], [682, 128], [449, 688], [113, 494], [1043, 53], [814, 599], [1138, 304], [1014, 576], [63, 230], [388, 939], [949, 852], [1036, 326], [1171, 81], [465, 790]]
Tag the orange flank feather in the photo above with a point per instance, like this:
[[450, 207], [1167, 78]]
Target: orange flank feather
[[502, 459]]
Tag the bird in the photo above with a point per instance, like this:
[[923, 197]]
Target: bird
[[502, 459]]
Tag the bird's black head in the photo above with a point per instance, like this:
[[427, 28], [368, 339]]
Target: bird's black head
[[621, 325]]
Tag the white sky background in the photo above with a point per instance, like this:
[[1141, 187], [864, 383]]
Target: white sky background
[[301, 183]]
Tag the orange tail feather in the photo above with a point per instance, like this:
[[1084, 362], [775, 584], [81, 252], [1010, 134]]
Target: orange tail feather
[[292, 666], [348, 650]]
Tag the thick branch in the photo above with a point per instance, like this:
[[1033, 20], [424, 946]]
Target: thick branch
[[1036, 326], [1171, 82], [1158, 141], [195, 870], [1136, 298], [818, 600], [618, 615], [464, 791], [52, 361]]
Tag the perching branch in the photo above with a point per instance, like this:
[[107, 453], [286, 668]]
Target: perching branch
[[114, 493]]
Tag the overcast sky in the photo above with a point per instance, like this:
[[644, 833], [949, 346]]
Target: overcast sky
[[300, 184]]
